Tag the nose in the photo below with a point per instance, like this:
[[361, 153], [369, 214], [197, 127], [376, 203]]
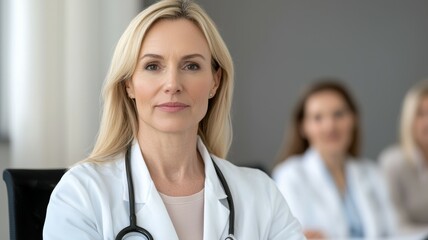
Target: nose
[[330, 123], [172, 82]]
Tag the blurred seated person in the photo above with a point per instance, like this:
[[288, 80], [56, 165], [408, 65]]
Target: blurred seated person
[[333, 192], [405, 165]]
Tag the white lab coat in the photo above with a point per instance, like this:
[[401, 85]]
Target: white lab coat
[[315, 201], [91, 202]]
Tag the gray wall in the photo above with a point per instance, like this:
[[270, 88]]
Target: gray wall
[[379, 48]]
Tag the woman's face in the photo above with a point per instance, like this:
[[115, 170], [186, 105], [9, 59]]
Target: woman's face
[[328, 123], [420, 125], [173, 80]]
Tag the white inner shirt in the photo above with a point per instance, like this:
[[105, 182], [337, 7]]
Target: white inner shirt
[[187, 214]]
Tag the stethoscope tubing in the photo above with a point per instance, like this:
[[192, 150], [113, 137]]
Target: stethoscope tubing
[[134, 228]]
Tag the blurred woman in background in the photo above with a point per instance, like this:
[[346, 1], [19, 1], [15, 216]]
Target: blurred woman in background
[[406, 164], [332, 192]]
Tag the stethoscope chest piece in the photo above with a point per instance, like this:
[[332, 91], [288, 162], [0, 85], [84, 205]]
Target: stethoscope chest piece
[[230, 237]]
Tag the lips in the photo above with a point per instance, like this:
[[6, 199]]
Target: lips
[[172, 106]]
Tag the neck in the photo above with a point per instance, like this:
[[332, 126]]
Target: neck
[[173, 161], [335, 163]]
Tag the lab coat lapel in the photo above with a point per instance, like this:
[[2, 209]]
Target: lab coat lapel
[[216, 211], [326, 190], [150, 210], [359, 183]]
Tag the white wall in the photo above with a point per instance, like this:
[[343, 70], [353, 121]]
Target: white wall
[[4, 93], [58, 53], [4, 101], [57, 69]]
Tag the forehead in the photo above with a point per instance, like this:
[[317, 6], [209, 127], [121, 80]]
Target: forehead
[[325, 100], [177, 36]]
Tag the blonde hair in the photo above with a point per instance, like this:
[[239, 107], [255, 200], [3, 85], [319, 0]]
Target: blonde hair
[[119, 122], [408, 115]]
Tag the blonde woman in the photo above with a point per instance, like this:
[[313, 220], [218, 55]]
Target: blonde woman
[[406, 165], [157, 168]]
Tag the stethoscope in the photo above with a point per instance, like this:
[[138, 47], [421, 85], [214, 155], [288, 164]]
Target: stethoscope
[[134, 228]]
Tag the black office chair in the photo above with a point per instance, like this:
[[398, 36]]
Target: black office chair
[[28, 193]]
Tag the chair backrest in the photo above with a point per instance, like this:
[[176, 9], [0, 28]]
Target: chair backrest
[[28, 193]]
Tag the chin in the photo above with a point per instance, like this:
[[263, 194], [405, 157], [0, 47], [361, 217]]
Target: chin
[[335, 150], [175, 128]]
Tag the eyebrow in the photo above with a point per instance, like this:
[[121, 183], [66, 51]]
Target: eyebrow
[[156, 56]]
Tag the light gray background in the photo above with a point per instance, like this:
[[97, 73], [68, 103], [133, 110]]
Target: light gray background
[[379, 48]]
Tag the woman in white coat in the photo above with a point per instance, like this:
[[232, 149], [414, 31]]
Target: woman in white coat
[[331, 191], [166, 127]]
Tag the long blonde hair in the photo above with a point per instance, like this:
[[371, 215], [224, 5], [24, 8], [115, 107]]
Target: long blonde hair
[[408, 114], [119, 123]]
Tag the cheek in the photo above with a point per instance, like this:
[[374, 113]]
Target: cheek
[[420, 128], [144, 89], [347, 125], [200, 99], [199, 91], [312, 131]]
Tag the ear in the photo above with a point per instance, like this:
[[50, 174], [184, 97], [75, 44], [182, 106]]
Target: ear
[[129, 88], [217, 79]]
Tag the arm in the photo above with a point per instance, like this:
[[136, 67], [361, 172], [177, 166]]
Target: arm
[[385, 205], [289, 189], [390, 179], [284, 224], [69, 214]]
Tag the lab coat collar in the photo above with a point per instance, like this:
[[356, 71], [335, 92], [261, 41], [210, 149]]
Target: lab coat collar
[[150, 211], [212, 182], [326, 189], [357, 181], [319, 174], [143, 183], [216, 211]]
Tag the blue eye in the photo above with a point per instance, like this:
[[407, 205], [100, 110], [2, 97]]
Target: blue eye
[[151, 67], [191, 67]]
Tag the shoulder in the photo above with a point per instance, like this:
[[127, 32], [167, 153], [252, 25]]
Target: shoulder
[[391, 156], [94, 170], [240, 173], [256, 197], [245, 179], [87, 176], [363, 169], [364, 165], [289, 169]]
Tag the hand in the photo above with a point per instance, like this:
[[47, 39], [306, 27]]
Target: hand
[[314, 234]]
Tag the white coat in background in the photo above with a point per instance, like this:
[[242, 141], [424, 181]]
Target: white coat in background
[[91, 202], [315, 201]]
